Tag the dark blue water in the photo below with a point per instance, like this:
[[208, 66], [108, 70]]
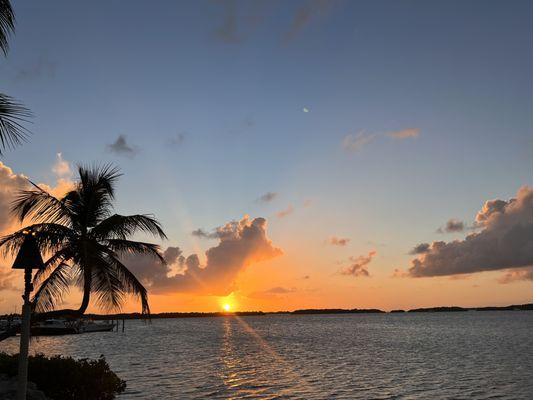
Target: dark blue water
[[473, 355]]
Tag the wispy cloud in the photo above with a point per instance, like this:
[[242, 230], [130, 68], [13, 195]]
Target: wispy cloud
[[177, 139], [42, 67], [404, 133], [286, 212], [337, 241], [122, 147], [355, 142], [267, 197], [305, 15]]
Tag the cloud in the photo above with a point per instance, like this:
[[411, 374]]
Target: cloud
[[7, 276], [399, 273], [359, 265], [420, 248], [355, 142], [239, 20], [241, 244], [337, 241], [62, 168], [311, 10], [122, 147], [11, 183], [228, 31], [516, 275], [177, 140], [284, 213], [267, 197], [40, 68], [452, 226], [404, 133], [280, 290], [272, 292], [505, 241]]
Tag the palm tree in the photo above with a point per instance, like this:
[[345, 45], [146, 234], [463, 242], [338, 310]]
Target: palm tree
[[12, 113], [84, 242]]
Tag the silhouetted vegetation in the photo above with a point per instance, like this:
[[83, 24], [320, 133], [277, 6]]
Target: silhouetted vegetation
[[12, 113], [338, 311], [85, 241], [64, 378]]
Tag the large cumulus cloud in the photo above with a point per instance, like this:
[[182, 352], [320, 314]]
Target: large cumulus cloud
[[240, 244], [504, 240]]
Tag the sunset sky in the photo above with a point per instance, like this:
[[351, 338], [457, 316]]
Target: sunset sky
[[303, 154]]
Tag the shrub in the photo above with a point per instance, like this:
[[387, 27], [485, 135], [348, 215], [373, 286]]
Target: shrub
[[64, 378]]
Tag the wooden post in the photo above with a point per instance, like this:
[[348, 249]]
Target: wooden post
[[22, 385]]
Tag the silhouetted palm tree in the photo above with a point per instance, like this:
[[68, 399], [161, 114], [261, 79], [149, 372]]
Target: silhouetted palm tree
[[84, 241], [12, 113]]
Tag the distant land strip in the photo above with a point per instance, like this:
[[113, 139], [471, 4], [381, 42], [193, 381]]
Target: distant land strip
[[310, 311]]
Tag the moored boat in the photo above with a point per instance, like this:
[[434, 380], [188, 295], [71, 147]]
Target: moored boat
[[91, 326], [55, 327]]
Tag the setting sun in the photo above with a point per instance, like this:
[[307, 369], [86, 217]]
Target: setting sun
[[226, 307]]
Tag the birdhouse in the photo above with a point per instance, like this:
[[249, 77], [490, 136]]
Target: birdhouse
[[29, 255]]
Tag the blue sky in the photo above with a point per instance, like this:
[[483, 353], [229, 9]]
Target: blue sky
[[232, 78]]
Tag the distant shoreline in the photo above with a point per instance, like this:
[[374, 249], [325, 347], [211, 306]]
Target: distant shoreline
[[310, 311], [519, 307]]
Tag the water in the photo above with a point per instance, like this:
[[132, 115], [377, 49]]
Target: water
[[474, 355]]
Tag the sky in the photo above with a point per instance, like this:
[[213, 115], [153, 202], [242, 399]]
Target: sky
[[303, 154]]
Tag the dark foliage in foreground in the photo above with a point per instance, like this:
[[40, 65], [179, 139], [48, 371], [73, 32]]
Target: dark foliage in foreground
[[64, 378]]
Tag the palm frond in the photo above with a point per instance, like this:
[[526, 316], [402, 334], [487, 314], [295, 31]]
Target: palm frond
[[96, 192], [107, 286], [53, 289], [7, 24], [60, 257], [12, 117], [123, 246], [40, 206], [124, 226], [50, 238], [131, 283]]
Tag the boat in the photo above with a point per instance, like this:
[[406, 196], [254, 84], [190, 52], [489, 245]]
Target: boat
[[91, 326], [52, 327]]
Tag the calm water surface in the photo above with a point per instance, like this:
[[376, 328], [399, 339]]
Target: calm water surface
[[472, 355]]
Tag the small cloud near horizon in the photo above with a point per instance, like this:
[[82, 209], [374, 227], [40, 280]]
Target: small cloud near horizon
[[286, 212], [359, 265], [337, 241]]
